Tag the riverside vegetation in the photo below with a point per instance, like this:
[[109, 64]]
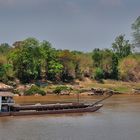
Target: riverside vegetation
[[32, 61]]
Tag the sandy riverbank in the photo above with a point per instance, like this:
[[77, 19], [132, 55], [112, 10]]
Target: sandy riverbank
[[62, 98]]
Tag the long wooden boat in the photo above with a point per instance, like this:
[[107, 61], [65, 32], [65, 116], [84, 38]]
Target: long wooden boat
[[38, 109]]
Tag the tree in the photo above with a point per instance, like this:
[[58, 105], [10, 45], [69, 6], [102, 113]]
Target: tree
[[122, 47], [114, 72], [33, 60], [6, 72], [99, 74], [54, 70], [107, 63], [83, 64], [49, 60], [103, 59], [97, 57], [25, 60], [4, 48], [129, 68], [136, 32], [67, 59]]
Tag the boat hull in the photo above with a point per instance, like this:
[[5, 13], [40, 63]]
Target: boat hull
[[61, 111]]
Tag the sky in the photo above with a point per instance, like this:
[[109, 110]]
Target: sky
[[68, 24]]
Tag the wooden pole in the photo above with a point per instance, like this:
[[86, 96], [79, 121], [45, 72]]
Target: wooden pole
[[78, 97]]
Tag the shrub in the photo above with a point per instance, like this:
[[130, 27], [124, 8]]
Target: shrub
[[15, 91], [33, 90], [129, 69], [58, 89], [99, 74]]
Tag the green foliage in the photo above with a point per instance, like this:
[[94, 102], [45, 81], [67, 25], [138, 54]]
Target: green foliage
[[51, 68], [58, 89], [115, 71], [4, 48], [136, 32], [15, 91], [33, 60], [54, 70], [97, 57], [26, 60], [122, 47], [24, 64], [30, 61], [6, 72], [34, 90], [99, 74], [107, 61], [78, 72], [122, 89]]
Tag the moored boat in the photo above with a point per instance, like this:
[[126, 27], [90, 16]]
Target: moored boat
[[18, 110], [9, 108]]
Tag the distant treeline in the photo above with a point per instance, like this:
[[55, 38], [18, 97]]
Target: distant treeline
[[31, 60]]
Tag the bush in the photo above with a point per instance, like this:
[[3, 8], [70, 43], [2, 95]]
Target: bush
[[99, 74], [6, 72], [58, 89], [33, 90], [15, 91], [129, 69]]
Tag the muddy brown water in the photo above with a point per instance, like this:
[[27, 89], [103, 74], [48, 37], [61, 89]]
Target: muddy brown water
[[119, 119]]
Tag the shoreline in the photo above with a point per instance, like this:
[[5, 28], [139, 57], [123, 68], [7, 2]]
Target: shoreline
[[62, 98]]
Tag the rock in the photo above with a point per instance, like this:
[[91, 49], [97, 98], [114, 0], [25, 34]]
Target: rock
[[102, 91], [4, 87], [65, 93], [136, 90], [91, 93], [16, 95], [37, 94]]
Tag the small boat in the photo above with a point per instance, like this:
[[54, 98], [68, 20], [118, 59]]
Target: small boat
[[18, 110]]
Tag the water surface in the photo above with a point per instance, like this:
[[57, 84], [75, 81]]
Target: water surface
[[119, 119]]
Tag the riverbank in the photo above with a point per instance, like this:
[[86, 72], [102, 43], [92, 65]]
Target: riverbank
[[126, 88], [87, 84], [84, 87], [61, 99], [120, 86]]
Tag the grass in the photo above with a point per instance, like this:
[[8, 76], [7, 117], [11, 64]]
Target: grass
[[120, 86], [122, 89]]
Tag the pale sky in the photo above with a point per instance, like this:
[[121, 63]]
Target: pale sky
[[68, 24]]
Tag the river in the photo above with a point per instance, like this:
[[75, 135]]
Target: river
[[119, 119]]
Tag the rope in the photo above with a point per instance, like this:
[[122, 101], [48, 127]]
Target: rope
[[102, 100]]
